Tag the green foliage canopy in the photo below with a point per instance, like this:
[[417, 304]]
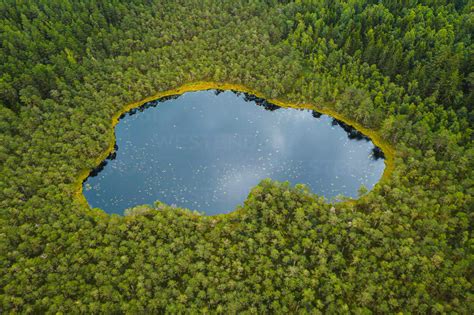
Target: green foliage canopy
[[403, 68]]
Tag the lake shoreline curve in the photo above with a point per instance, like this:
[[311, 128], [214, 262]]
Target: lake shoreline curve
[[387, 149]]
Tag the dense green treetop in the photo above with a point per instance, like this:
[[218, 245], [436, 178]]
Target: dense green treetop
[[402, 68]]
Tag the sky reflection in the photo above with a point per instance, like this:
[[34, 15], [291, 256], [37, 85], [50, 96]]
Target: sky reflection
[[205, 152]]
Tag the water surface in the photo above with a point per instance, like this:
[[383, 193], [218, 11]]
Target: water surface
[[205, 151]]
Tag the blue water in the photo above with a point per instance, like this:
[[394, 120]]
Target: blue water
[[206, 150]]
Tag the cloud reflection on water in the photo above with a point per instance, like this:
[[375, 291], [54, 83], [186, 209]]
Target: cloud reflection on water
[[206, 151]]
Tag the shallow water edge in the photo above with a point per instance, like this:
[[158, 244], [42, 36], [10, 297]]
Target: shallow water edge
[[386, 148]]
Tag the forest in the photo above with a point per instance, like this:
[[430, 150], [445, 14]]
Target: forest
[[402, 68]]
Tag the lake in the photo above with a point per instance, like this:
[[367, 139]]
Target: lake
[[205, 151]]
